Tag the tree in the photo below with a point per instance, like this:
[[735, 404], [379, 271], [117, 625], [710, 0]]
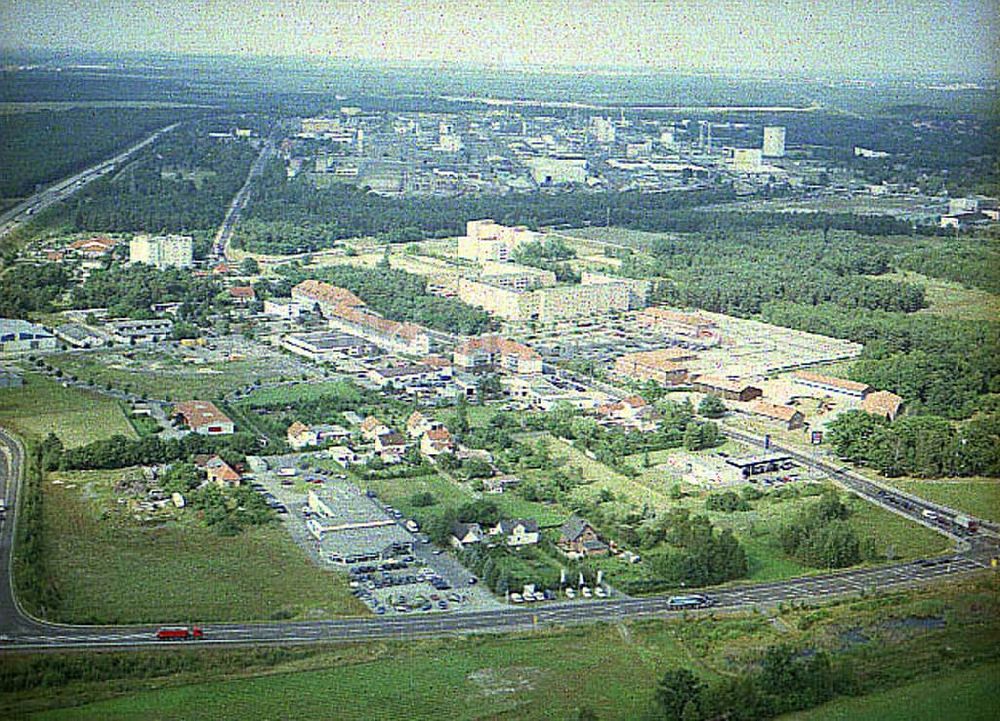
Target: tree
[[249, 266], [711, 407], [676, 689]]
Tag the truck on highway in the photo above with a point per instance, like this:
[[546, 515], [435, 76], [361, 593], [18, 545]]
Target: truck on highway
[[694, 600], [962, 521], [180, 633]]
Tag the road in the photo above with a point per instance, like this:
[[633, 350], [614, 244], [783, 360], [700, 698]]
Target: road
[[220, 246], [59, 191], [24, 633]]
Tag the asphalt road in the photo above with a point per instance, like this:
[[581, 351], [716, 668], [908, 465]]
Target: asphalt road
[[27, 209], [220, 245], [22, 632]]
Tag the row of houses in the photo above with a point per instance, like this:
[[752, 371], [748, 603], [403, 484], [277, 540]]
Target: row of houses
[[577, 538]]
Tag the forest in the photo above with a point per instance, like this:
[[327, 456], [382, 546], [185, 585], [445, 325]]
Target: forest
[[45, 146], [182, 182]]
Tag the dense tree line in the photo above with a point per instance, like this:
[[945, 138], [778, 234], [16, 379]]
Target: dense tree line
[[121, 452], [923, 446], [938, 365], [45, 146], [132, 290], [182, 182], [31, 288], [782, 681], [697, 554], [402, 296], [972, 262]]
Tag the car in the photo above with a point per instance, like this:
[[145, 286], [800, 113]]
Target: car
[[454, 598], [473, 580], [287, 482], [437, 552], [570, 593], [516, 598], [380, 610], [585, 592], [443, 605], [600, 592]]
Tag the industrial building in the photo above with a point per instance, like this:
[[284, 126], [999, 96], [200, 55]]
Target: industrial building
[[321, 346], [830, 385], [20, 336], [686, 325], [162, 251], [135, 332], [351, 528]]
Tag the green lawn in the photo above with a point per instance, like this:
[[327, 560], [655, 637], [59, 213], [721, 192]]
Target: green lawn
[[302, 392], [114, 570], [77, 417], [963, 696]]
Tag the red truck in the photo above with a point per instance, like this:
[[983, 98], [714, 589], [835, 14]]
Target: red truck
[[180, 633]]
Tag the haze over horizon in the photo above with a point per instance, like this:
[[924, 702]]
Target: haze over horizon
[[775, 37]]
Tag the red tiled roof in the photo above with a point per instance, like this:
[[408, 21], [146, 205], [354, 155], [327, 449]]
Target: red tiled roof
[[496, 344], [770, 410], [882, 403], [832, 382], [326, 293], [197, 414]]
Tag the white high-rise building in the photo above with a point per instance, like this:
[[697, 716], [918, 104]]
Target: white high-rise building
[[163, 251], [774, 141], [603, 129]]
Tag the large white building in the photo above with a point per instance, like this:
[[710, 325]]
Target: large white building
[[486, 240], [19, 336], [746, 160], [558, 169], [774, 141], [162, 251]]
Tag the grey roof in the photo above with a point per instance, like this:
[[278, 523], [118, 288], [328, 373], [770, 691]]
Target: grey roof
[[507, 526], [459, 530], [573, 528], [594, 545]]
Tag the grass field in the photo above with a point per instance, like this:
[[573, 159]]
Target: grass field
[[979, 497], [302, 392], [611, 670], [77, 417], [963, 696], [116, 571], [156, 375], [948, 298]]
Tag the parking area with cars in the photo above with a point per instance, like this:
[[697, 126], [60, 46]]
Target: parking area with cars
[[393, 567]]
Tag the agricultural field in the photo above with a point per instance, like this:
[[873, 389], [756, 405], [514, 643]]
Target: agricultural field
[[889, 642], [77, 417], [111, 569]]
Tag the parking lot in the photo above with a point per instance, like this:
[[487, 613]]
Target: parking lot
[[424, 579]]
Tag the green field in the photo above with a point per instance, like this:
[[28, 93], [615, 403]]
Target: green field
[[113, 570], [979, 497], [918, 673], [301, 392], [78, 417], [963, 696], [952, 299]]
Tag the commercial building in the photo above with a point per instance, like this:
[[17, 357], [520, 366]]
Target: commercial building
[[493, 353], [20, 336], [315, 294], [135, 332], [486, 240], [351, 528], [774, 141], [203, 417], [732, 390], [162, 251], [558, 169], [666, 365], [830, 385], [321, 346]]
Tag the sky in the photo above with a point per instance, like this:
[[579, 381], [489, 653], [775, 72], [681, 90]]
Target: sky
[[776, 37]]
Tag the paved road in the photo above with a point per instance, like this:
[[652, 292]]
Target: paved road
[[27, 209], [23, 632], [220, 246]]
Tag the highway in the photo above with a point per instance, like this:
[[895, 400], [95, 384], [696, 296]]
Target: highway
[[21, 632], [59, 191], [220, 245]]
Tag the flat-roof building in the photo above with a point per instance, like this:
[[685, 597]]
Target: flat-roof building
[[351, 528], [162, 251], [20, 336]]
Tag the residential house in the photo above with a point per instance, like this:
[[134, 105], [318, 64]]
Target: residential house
[[436, 441], [390, 446], [579, 539], [372, 428], [342, 455], [300, 436], [499, 484], [632, 412], [466, 534], [493, 353], [242, 294], [517, 532], [418, 424], [220, 473], [203, 417]]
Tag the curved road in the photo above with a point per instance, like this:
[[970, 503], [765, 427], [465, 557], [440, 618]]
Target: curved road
[[24, 632]]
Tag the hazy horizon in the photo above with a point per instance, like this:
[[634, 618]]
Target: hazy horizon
[[770, 38]]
